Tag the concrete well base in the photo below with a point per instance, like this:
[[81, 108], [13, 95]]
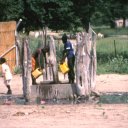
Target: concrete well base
[[50, 90]]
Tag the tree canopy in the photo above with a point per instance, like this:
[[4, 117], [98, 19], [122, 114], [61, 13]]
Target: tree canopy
[[62, 14]]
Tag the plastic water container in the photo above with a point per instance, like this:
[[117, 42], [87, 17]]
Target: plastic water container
[[64, 68], [37, 72]]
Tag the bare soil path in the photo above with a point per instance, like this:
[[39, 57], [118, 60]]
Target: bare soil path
[[68, 116]]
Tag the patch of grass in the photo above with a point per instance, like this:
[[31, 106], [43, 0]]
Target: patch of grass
[[110, 31], [115, 65], [102, 69], [112, 55], [111, 47]]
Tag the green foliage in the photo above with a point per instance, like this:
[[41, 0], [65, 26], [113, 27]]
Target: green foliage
[[36, 14], [59, 15], [110, 47], [118, 65], [34, 43], [84, 10], [11, 9], [107, 11], [114, 65], [64, 14], [108, 32], [17, 70], [102, 68], [112, 58]]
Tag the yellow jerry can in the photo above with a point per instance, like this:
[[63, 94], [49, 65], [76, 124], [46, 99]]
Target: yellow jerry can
[[37, 72], [64, 68]]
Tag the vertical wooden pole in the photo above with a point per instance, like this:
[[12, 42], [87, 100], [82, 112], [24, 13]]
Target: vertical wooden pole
[[26, 75], [53, 60], [115, 48], [85, 63]]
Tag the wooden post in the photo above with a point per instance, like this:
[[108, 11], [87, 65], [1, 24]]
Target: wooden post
[[26, 74], [25, 62], [44, 44], [52, 59], [85, 63], [115, 48]]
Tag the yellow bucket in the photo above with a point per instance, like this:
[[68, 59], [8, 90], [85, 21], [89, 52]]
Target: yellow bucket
[[36, 73], [64, 68]]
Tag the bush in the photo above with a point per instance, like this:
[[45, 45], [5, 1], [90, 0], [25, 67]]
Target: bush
[[118, 65], [114, 65], [17, 70], [112, 55]]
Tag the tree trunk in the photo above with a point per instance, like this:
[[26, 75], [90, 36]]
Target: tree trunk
[[25, 62], [44, 44], [52, 59], [26, 73], [85, 63]]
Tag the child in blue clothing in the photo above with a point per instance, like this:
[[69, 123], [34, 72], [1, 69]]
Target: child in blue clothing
[[69, 53]]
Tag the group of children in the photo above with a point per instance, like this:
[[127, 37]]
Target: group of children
[[67, 52]]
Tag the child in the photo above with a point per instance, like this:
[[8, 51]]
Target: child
[[36, 60], [6, 74], [33, 68], [69, 53]]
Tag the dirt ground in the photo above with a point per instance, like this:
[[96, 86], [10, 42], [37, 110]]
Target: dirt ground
[[68, 116]]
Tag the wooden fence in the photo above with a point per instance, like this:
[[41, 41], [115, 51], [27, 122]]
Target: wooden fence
[[7, 42]]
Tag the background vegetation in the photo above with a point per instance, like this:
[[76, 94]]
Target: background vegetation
[[71, 15], [63, 14], [112, 52]]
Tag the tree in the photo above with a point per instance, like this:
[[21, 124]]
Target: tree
[[58, 15], [123, 6], [64, 14], [54, 14], [11, 10], [84, 11], [107, 11]]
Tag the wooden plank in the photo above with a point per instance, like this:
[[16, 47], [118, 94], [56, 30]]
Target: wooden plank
[[7, 40], [7, 26]]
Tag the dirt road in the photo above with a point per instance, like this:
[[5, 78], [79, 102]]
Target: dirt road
[[68, 116]]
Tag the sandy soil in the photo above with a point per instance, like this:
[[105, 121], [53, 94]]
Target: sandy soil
[[68, 116]]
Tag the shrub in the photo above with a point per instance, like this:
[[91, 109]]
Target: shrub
[[118, 65], [114, 65], [17, 70]]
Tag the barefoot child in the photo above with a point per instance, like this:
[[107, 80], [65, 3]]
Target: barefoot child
[[6, 74]]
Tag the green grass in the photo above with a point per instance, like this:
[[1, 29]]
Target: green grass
[[108, 32], [107, 44], [112, 55], [111, 47]]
